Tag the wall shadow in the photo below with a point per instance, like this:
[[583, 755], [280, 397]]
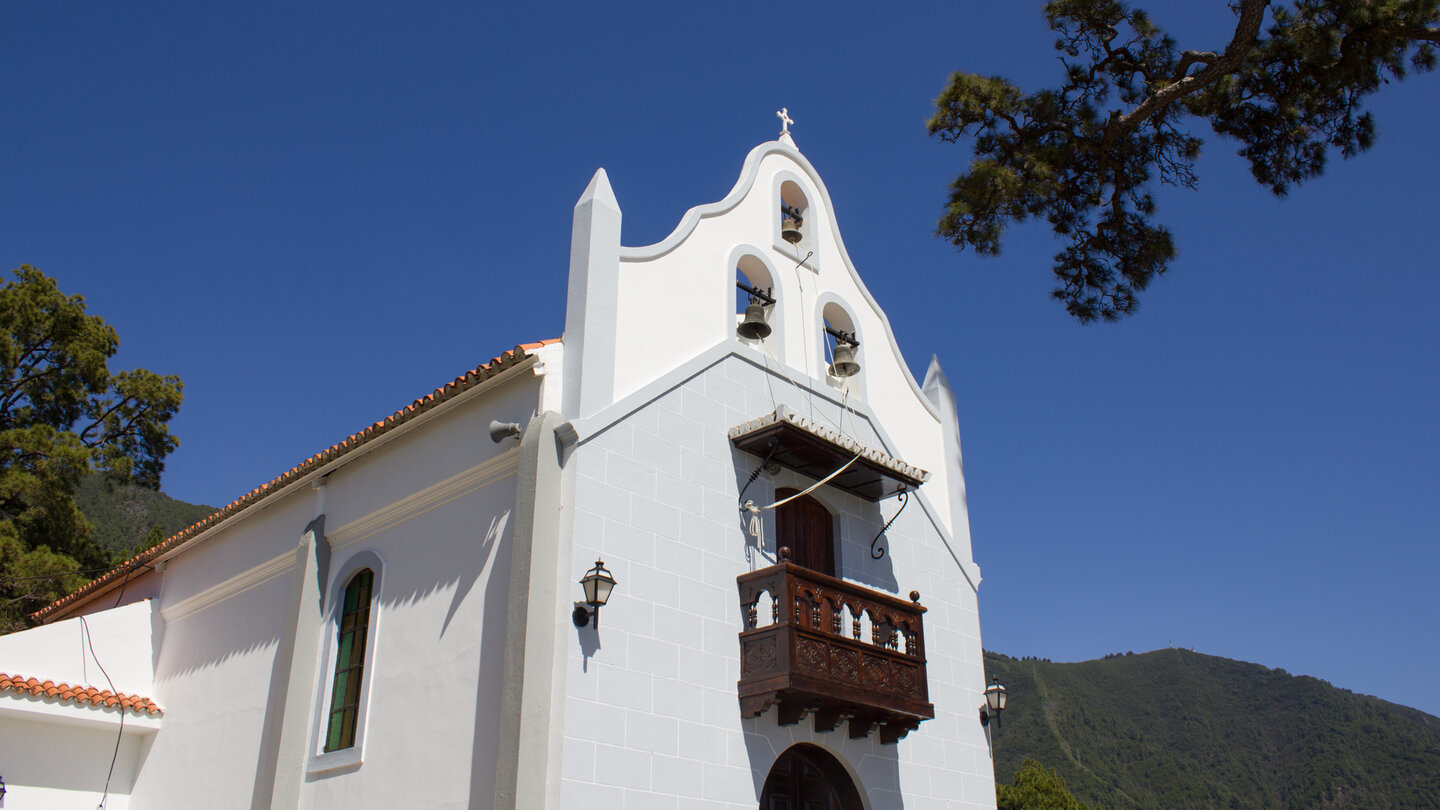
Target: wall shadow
[[865, 552]]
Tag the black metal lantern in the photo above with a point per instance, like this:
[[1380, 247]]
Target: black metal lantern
[[995, 697], [597, 583]]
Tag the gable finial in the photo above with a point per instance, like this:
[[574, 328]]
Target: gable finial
[[785, 121]]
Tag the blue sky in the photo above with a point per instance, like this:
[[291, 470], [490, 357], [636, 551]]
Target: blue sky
[[314, 213]]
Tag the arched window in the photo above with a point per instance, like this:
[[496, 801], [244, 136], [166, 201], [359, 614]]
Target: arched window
[[807, 776], [345, 692], [807, 528]]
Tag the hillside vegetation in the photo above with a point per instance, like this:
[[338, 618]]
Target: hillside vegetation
[[1178, 729], [126, 518]]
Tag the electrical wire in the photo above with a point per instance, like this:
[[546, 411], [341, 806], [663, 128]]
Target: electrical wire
[[126, 581], [805, 392], [755, 527], [119, 735]]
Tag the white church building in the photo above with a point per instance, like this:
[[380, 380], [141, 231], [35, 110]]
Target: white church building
[[727, 426]]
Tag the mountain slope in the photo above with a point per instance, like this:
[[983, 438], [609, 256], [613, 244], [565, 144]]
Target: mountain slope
[[124, 516], [1178, 729]]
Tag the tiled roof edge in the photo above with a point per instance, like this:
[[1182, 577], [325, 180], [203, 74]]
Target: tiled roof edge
[[835, 437], [65, 693], [459, 385]]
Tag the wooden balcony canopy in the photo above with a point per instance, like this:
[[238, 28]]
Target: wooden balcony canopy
[[807, 656], [796, 442]]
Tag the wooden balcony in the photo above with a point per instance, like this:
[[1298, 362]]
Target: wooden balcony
[[808, 656]]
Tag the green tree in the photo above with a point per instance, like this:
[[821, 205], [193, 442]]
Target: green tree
[[153, 538], [64, 414], [1084, 156], [1036, 788]]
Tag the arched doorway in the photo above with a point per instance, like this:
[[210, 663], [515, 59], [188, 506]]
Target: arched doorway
[[805, 526], [806, 777]]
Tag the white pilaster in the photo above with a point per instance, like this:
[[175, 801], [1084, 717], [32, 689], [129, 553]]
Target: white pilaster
[[591, 300]]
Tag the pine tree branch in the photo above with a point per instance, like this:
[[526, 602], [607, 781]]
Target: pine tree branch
[[1247, 28], [1191, 58], [126, 429]]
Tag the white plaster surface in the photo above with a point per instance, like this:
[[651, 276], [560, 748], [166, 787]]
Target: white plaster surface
[[651, 713], [119, 640], [644, 708], [57, 766], [652, 717]]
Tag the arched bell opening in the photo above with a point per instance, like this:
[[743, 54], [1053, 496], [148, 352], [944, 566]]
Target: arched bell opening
[[756, 314], [807, 776], [840, 359], [795, 228]]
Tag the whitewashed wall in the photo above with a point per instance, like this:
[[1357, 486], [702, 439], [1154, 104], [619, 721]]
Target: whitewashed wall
[[61, 762], [56, 754], [120, 640], [651, 711], [432, 513], [652, 718], [645, 712]]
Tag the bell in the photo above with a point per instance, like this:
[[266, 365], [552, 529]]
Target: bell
[[790, 230], [844, 365], [754, 326]]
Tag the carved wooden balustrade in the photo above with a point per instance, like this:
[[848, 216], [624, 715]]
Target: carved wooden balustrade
[[808, 654]]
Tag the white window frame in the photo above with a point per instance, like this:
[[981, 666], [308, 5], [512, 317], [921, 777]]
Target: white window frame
[[322, 761]]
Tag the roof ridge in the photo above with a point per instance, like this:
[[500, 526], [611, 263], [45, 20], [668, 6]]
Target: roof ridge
[[464, 382]]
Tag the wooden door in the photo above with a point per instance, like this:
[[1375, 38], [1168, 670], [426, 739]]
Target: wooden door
[[806, 527]]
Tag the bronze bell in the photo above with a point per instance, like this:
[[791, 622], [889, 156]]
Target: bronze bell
[[844, 365], [754, 326], [790, 230]]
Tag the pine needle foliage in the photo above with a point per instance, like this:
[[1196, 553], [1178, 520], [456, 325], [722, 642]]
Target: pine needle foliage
[[1085, 156], [65, 415]]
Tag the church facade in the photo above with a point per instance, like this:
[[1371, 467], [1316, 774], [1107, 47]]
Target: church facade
[[727, 432]]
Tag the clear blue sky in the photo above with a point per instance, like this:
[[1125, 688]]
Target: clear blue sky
[[315, 212]]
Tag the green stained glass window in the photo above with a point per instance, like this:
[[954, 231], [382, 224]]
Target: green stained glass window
[[349, 662]]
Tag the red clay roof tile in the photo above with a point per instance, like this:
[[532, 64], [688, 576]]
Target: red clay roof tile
[[460, 384], [66, 693]]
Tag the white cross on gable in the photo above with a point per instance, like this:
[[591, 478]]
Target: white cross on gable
[[785, 120]]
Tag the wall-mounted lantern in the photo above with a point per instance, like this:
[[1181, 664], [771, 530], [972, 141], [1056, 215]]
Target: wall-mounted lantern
[[597, 583], [995, 697], [2, 791]]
